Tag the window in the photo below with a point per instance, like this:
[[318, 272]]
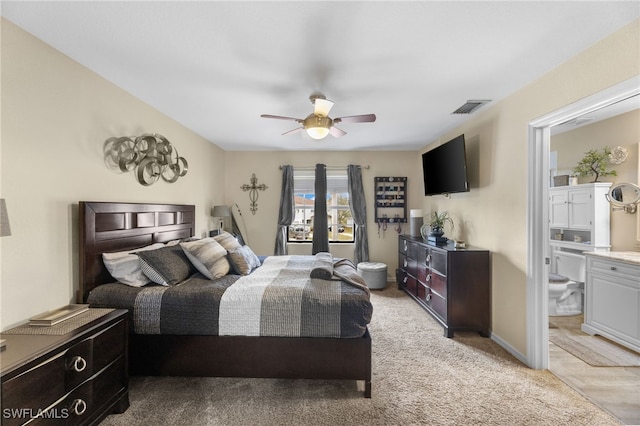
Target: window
[[338, 211]]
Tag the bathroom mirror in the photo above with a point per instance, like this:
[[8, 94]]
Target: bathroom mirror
[[625, 196]]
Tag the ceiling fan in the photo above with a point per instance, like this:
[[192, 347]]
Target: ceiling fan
[[318, 124]]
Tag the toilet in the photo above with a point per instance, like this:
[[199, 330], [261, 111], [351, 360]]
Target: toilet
[[565, 283]]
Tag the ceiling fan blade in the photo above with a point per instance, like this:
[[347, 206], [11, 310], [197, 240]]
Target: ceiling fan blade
[[293, 131], [280, 117], [322, 107], [336, 133], [365, 118]]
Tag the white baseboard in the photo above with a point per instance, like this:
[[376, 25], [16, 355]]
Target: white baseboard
[[507, 347]]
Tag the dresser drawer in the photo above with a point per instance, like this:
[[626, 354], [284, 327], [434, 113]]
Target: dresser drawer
[[437, 261], [402, 277], [411, 285], [403, 261], [438, 284], [412, 250], [412, 267], [614, 268], [403, 246], [437, 303]]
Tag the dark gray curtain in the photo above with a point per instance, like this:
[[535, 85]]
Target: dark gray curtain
[[286, 212], [359, 212], [320, 224]]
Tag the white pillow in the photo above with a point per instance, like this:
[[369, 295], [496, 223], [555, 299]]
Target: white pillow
[[208, 257], [125, 267]]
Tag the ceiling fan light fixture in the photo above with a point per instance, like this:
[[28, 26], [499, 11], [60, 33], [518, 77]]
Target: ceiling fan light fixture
[[317, 127], [317, 132]]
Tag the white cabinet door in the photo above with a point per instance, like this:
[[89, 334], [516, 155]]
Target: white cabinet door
[[558, 205], [580, 208]]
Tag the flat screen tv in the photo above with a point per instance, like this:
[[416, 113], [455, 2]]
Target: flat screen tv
[[445, 168]]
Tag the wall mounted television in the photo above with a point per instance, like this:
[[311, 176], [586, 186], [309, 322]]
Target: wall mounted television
[[444, 168]]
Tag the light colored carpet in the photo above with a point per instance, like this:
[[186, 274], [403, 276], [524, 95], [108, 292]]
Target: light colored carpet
[[419, 377], [595, 350]]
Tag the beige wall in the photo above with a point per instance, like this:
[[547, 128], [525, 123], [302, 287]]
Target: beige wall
[[494, 214], [56, 116], [622, 130], [262, 226]]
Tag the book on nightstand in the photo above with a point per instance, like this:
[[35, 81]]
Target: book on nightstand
[[50, 318]]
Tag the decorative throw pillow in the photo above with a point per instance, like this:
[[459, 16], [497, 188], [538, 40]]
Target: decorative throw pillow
[[243, 260], [227, 241], [166, 266], [125, 267], [208, 257]]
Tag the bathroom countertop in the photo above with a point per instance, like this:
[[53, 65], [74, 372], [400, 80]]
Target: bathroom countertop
[[632, 257]]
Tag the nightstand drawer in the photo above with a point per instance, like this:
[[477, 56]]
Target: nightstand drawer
[[81, 405], [74, 378], [37, 388]]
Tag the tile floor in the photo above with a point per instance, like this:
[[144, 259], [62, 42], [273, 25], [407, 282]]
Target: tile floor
[[614, 389]]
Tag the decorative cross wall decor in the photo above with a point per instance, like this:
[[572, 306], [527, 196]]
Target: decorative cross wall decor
[[253, 192]]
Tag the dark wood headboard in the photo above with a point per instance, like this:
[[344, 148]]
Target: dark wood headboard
[[111, 227]]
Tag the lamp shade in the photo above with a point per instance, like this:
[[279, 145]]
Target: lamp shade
[[221, 211], [5, 228], [317, 132]]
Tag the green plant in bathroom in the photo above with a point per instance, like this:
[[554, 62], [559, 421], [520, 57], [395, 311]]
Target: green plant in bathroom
[[595, 162]]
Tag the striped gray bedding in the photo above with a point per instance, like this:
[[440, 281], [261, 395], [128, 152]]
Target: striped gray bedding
[[277, 299]]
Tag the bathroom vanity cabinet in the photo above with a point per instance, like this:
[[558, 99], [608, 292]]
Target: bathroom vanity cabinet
[[612, 296], [451, 284], [579, 217]]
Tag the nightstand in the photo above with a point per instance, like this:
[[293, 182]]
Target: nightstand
[[78, 377]]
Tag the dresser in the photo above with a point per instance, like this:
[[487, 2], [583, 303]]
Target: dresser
[[77, 378], [452, 284], [612, 297]]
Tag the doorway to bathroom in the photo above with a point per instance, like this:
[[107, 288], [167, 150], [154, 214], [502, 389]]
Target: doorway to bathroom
[[539, 350]]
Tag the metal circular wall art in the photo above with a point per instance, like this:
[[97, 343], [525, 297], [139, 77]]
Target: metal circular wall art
[[149, 156]]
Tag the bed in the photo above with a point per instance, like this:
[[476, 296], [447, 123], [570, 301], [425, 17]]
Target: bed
[[107, 227]]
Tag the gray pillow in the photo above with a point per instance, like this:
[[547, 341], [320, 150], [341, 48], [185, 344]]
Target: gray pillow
[[166, 266], [227, 241], [243, 260], [208, 257]]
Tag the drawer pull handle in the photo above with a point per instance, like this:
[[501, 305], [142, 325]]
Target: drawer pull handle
[[406, 263], [404, 280], [428, 278], [428, 297], [428, 258], [78, 407], [78, 364]]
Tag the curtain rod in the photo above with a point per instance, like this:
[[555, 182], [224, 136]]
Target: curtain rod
[[328, 167]]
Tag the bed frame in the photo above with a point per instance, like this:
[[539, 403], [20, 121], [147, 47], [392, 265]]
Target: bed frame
[[110, 227]]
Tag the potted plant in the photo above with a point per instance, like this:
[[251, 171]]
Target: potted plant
[[435, 224], [596, 163]]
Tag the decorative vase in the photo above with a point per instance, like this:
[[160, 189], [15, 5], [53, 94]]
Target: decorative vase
[[436, 232], [424, 231]]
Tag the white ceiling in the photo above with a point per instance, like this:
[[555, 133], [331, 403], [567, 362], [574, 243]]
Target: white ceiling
[[215, 66]]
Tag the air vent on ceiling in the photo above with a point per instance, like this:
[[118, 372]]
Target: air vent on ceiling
[[470, 106]]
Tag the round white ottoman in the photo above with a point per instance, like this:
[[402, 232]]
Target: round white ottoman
[[374, 273]]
